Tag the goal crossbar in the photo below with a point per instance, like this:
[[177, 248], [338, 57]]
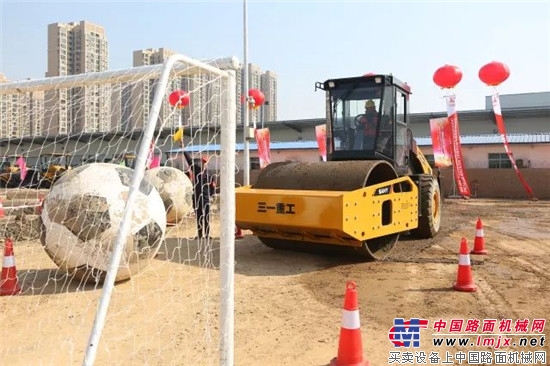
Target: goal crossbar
[[185, 67]]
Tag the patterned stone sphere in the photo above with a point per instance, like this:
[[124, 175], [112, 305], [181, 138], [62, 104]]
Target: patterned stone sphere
[[82, 215], [176, 191]]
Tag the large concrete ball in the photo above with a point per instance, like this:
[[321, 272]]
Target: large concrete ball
[[82, 216], [176, 191]]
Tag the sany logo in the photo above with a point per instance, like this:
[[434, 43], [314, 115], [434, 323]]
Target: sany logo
[[404, 332], [382, 190]]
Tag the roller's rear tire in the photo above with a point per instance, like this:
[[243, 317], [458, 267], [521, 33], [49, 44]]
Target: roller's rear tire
[[429, 221]]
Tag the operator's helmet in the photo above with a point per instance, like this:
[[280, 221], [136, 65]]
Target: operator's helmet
[[370, 104]]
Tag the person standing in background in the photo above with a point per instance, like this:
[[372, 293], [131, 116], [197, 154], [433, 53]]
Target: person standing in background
[[202, 189]]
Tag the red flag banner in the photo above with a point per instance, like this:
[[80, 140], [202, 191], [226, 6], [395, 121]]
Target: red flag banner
[[153, 160], [502, 130], [458, 168], [262, 141], [440, 130], [321, 136], [22, 167]]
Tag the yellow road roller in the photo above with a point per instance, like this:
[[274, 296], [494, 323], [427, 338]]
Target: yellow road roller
[[374, 185]]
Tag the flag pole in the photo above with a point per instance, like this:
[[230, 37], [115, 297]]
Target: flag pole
[[244, 106]]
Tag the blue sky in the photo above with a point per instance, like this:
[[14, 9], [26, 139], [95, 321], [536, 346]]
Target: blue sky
[[309, 41]]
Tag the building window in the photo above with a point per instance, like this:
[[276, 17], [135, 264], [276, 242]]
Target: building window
[[499, 161], [431, 160], [254, 163]]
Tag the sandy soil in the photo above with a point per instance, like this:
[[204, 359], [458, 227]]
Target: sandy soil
[[287, 305]]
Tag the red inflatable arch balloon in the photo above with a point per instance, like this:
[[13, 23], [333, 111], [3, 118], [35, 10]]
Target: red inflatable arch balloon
[[447, 76], [258, 96], [179, 99], [494, 73]]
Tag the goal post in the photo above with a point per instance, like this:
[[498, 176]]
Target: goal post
[[67, 115], [227, 225]]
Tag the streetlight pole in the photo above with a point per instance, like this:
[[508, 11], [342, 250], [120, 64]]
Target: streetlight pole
[[244, 107]]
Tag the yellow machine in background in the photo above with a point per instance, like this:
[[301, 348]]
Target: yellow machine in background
[[50, 168], [375, 185], [54, 166], [124, 158], [127, 159]]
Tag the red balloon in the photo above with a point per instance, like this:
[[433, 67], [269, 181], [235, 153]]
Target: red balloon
[[257, 96], [494, 73], [179, 99], [447, 76]]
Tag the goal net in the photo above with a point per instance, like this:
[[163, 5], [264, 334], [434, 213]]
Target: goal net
[[103, 263]]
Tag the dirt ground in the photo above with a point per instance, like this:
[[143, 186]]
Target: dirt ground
[[288, 306]]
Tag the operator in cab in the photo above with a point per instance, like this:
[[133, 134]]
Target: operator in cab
[[366, 126]]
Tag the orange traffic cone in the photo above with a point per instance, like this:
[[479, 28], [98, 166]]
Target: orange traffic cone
[[238, 233], [479, 241], [2, 212], [464, 278], [350, 349], [8, 281]]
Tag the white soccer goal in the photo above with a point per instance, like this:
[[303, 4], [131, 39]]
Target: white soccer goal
[[87, 299]]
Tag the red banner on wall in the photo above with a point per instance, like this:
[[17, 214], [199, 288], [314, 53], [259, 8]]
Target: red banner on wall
[[502, 130], [263, 141], [22, 164], [153, 160], [458, 161], [440, 130], [321, 136]]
